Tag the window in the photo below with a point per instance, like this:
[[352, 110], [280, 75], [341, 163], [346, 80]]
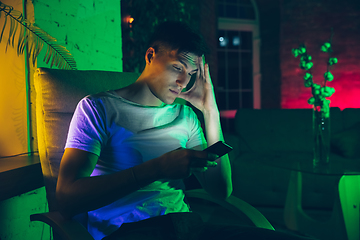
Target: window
[[238, 9], [235, 85], [238, 80]]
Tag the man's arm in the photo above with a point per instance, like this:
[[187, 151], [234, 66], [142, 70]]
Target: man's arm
[[216, 181], [78, 192]]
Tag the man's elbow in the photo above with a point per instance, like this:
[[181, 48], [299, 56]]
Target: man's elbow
[[64, 205]]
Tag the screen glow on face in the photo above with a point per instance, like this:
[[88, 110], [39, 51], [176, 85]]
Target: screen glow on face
[[190, 60]]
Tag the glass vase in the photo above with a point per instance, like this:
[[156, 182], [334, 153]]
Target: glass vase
[[321, 131]]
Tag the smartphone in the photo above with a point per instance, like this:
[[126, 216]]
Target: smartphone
[[219, 148]]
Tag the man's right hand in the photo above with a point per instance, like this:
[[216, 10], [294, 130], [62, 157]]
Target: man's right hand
[[181, 163], [78, 192]]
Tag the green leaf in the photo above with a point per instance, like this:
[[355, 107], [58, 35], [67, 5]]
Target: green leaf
[[307, 76], [332, 61], [307, 83], [326, 47], [311, 100], [295, 52], [35, 38], [328, 76]]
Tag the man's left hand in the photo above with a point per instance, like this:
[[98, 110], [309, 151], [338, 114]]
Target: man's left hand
[[201, 95]]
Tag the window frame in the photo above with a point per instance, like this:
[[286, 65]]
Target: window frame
[[253, 26]]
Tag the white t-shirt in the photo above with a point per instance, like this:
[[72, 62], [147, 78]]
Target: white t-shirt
[[124, 134]]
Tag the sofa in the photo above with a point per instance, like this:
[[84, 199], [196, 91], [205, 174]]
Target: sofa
[[256, 131]]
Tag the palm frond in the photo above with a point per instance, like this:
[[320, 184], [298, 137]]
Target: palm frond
[[34, 37]]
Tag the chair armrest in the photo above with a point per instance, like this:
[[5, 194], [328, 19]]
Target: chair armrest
[[73, 230], [234, 204], [67, 229]]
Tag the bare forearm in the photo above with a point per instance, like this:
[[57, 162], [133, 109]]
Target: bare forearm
[[89, 193], [212, 127], [217, 180]]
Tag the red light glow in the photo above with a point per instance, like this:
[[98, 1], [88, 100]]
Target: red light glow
[[347, 93]]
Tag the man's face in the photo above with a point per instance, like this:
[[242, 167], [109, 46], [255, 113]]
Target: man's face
[[171, 72]]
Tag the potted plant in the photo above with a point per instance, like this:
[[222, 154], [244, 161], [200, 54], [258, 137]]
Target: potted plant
[[321, 105]]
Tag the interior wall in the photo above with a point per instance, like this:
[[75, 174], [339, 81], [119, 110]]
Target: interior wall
[[91, 31], [310, 22], [269, 23], [14, 212], [13, 120], [15, 217]]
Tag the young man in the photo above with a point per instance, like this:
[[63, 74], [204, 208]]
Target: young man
[[128, 150]]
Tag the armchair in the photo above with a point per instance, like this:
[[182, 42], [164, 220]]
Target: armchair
[[57, 94]]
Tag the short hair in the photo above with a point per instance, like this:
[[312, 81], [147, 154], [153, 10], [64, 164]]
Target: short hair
[[177, 36]]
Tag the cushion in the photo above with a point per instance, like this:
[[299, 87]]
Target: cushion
[[347, 143]]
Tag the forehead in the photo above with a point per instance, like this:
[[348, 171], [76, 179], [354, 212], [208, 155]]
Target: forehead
[[187, 58]]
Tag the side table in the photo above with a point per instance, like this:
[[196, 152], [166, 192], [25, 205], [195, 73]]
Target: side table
[[344, 221], [19, 174]]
